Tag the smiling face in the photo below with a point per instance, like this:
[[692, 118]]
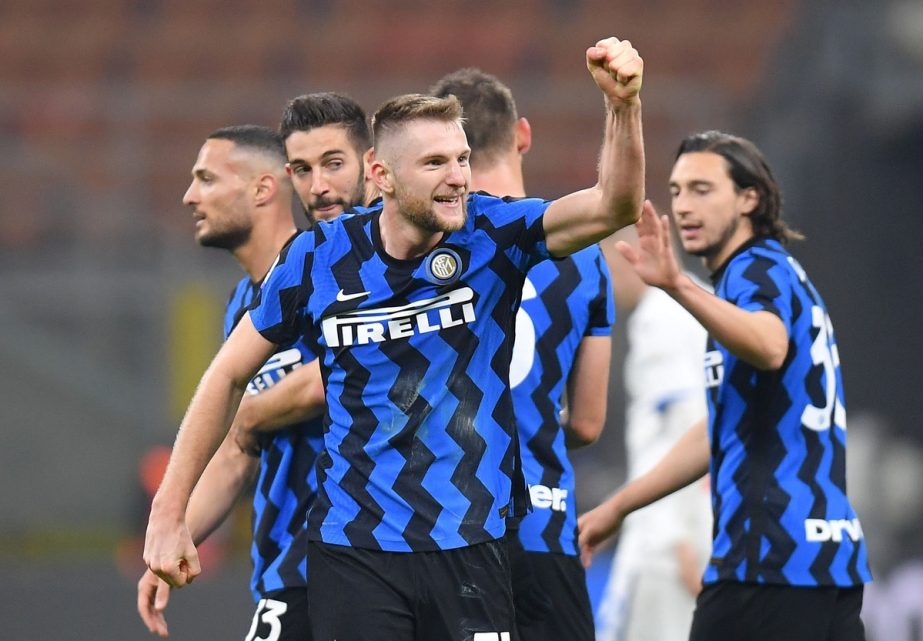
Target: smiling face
[[425, 170], [218, 197], [711, 214], [327, 171]]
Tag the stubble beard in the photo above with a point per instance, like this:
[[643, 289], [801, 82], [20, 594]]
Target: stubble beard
[[355, 198], [420, 212]]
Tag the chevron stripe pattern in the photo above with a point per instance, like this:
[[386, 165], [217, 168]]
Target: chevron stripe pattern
[[286, 483], [421, 449], [778, 439], [563, 301]]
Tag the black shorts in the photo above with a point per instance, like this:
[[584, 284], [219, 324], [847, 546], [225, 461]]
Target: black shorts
[[449, 595], [282, 616], [727, 611], [550, 595]]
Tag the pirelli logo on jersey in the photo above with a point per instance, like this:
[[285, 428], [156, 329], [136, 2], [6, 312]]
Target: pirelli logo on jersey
[[376, 325]]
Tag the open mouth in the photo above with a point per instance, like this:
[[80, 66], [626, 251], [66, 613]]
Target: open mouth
[[453, 199]]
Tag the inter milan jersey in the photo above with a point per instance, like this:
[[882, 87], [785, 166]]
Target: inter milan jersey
[[562, 301], [287, 482], [421, 447], [778, 439]]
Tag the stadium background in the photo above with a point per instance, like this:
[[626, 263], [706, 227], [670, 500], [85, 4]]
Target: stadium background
[[109, 311]]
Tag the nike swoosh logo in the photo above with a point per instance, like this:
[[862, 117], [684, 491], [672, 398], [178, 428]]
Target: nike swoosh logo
[[343, 296]]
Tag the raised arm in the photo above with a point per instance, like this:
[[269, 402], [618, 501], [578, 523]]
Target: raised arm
[[168, 549], [686, 462], [589, 215], [758, 338]]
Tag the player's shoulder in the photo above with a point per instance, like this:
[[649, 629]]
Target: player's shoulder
[[482, 203], [754, 258]]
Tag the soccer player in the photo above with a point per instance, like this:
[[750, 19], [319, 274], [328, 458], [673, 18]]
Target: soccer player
[[326, 139], [328, 146], [241, 198], [411, 307], [788, 554], [662, 548], [563, 344]]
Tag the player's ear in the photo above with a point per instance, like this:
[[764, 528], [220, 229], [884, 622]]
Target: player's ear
[[749, 200], [381, 174], [367, 159], [266, 188], [523, 135]]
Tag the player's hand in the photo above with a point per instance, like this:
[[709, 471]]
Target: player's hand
[[596, 526], [169, 551], [617, 69], [654, 259], [247, 440], [153, 596], [243, 429]]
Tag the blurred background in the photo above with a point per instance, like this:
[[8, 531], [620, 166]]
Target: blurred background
[[109, 311]]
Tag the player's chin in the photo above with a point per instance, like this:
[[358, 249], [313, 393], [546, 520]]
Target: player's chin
[[451, 218]]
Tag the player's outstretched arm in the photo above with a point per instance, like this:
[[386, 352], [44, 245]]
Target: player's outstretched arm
[[297, 397], [587, 391], [589, 215], [168, 548], [686, 462], [759, 338]]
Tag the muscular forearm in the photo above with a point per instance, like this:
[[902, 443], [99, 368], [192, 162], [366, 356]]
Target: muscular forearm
[[621, 165], [758, 338], [229, 472], [205, 425]]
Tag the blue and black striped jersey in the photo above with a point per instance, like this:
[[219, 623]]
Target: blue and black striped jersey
[[562, 302], [287, 482], [421, 447], [778, 439]]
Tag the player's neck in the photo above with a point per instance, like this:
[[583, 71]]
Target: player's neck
[[266, 240], [500, 179], [741, 235], [400, 238]]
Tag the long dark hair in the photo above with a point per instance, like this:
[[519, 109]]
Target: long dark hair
[[748, 169]]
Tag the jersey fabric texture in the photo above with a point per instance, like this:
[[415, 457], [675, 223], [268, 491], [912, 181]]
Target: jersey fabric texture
[[421, 447], [562, 302], [287, 483], [778, 439]]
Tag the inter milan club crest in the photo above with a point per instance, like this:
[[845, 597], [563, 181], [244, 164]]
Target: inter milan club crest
[[443, 266]]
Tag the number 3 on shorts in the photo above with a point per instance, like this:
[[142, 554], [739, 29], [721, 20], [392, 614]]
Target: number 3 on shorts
[[269, 611]]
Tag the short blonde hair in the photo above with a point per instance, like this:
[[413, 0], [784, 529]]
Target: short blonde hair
[[397, 112]]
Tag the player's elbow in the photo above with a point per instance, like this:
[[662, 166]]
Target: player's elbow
[[614, 214], [771, 358], [583, 431]]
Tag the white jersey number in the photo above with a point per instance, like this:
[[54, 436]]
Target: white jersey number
[[269, 611], [824, 353], [524, 345]]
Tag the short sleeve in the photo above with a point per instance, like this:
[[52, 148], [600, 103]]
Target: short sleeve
[[279, 310], [602, 307], [757, 282]]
